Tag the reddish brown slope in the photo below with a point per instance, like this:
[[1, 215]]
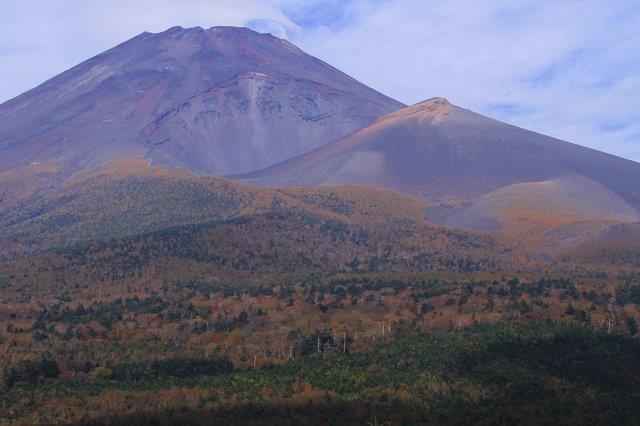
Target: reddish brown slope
[[441, 152], [438, 151]]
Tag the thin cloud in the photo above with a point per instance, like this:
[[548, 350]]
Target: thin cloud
[[43, 38], [564, 68]]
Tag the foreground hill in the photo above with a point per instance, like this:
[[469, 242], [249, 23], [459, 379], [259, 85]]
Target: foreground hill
[[129, 198], [256, 250], [216, 101]]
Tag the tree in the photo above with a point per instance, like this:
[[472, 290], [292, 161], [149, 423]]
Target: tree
[[27, 371], [632, 325]]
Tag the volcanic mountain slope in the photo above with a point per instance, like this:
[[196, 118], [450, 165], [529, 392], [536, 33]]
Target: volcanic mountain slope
[[476, 172], [217, 101]]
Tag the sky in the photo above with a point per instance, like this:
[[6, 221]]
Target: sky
[[565, 68]]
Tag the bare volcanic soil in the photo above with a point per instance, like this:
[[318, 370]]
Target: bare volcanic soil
[[217, 101]]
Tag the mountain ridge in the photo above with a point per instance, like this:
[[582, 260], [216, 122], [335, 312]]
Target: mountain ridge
[[216, 101], [436, 151], [475, 173]]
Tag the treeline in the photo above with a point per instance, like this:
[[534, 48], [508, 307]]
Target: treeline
[[30, 372], [175, 367]]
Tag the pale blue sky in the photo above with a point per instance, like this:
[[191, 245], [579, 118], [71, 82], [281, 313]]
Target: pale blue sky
[[566, 68]]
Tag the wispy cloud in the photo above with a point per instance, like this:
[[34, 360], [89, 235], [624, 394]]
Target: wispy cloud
[[39, 39], [567, 68]]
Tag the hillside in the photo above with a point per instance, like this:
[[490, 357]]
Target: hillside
[[437, 151], [129, 197]]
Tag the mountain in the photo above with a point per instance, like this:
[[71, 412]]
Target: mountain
[[475, 172], [194, 102], [217, 101]]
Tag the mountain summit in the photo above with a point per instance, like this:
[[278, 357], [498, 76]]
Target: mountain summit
[[217, 101], [474, 171]]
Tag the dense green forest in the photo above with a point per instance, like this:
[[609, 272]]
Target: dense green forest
[[531, 373]]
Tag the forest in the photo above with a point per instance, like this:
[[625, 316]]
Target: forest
[[358, 348], [301, 306]]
